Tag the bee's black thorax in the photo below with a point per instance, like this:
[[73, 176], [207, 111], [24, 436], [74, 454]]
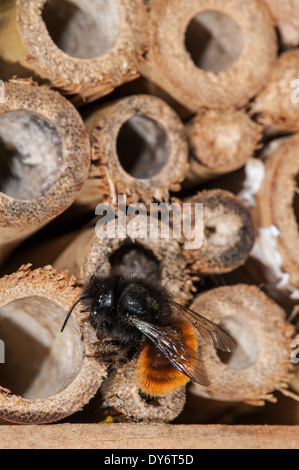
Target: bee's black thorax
[[112, 300]]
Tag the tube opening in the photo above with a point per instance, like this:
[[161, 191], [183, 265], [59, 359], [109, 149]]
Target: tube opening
[[39, 360], [143, 147], [30, 154], [214, 41], [82, 28], [247, 349], [134, 259]]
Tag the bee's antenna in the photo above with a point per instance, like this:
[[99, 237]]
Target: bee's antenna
[[69, 313]]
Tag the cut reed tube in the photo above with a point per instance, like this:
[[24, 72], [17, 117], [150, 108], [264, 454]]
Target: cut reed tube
[[45, 159], [277, 201], [130, 254], [220, 143], [209, 52], [122, 400], [286, 14], [261, 363], [228, 233], [277, 106], [49, 38], [47, 374], [139, 148]]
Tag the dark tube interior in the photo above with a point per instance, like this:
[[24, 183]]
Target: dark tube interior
[[143, 147], [214, 41]]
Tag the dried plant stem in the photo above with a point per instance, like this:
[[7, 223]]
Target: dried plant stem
[[129, 254], [49, 39], [145, 257], [36, 121], [277, 201], [228, 233], [209, 52], [139, 148], [220, 143], [47, 372], [261, 363], [122, 401], [286, 14], [276, 108]]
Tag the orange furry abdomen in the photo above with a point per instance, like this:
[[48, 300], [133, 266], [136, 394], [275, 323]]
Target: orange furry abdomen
[[155, 374]]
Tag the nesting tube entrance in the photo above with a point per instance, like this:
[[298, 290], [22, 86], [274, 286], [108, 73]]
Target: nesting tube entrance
[[139, 149], [210, 53], [45, 373], [44, 158], [85, 48]]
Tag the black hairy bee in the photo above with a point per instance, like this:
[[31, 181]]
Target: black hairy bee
[[135, 312]]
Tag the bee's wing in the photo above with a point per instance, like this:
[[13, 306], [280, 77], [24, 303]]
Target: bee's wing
[[211, 332], [170, 342]]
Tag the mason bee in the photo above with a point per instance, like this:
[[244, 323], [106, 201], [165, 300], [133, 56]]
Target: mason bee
[[141, 316]]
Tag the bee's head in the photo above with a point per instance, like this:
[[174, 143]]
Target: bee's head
[[99, 299]]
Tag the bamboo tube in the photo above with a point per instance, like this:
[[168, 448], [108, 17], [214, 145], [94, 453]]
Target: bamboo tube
[[139, 149], [130, 254], [45, 159], [228, 233], [286, 14], [261, 363], [209, 52], [220, 143], [48, 38], [264, 266], [48, 374], [122, 401], [276, 107], [277, 202]]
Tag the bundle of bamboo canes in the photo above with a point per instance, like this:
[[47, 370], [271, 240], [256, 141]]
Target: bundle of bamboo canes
[[45, 159], [206, 139]]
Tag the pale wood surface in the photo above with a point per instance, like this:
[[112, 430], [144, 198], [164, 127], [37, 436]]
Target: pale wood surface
[[154, 436]]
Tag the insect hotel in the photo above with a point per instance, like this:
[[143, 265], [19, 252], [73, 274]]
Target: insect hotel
[[149, 213]]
